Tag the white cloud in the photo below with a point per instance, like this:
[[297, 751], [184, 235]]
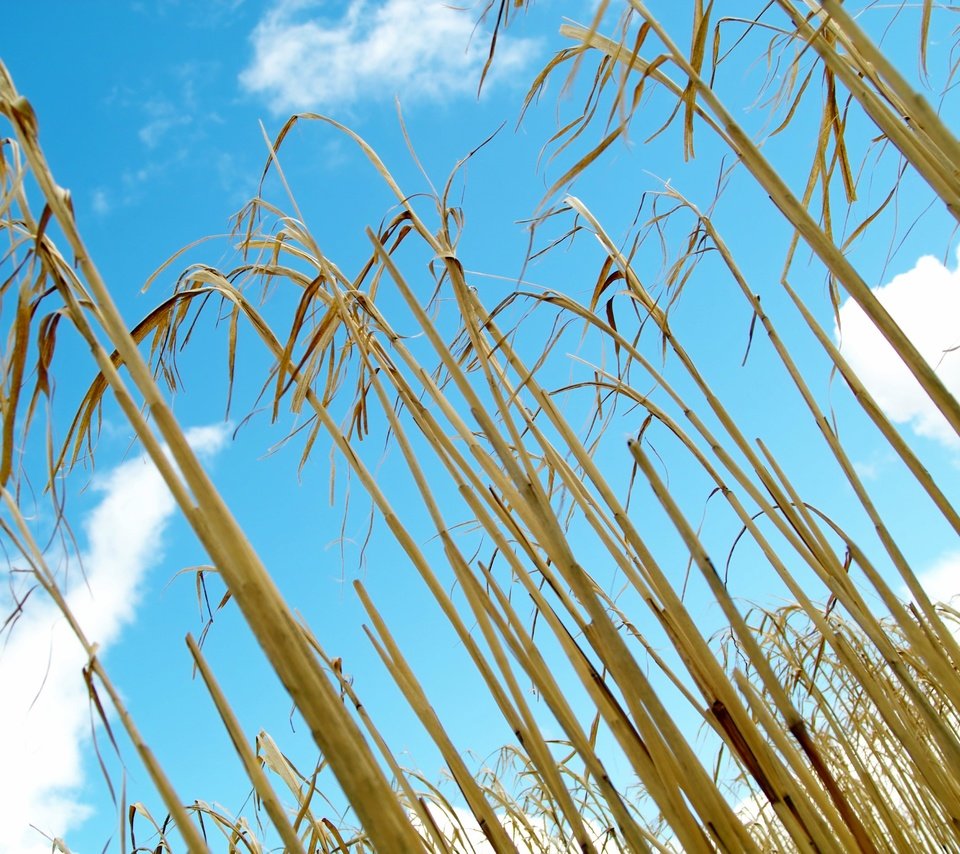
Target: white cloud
[[100, 202], [925, 302], [419, 50], [942, 580], [44, 713], [162, 118]]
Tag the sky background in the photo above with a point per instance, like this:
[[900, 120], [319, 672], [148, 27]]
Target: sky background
[[154, 114]]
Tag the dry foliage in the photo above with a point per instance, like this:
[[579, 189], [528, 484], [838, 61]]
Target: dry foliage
[[837, 722]]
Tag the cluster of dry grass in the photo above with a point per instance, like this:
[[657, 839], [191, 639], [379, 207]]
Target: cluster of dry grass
[[837, 723]]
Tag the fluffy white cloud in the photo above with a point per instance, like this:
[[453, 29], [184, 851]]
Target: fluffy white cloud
[[415, 49], [44, 711], [942, 580], [925, 302]]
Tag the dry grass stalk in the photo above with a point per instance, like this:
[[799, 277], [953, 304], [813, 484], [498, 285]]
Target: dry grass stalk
[[335, 732]]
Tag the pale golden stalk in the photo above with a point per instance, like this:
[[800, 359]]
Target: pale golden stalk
[[335, 732]]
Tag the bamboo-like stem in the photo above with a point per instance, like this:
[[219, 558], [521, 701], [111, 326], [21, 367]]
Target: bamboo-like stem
[[534, 666], [689, 647], [767, 176], [390, 517], [628, 675], [28, 547], [529, 734], [395, 662], [946, 639], [821, 560], [930, 159], [701, 558], [918, 113], [647, 560], [897, 442], [414, 802], [335, 732], [247, 755], [545, 404]]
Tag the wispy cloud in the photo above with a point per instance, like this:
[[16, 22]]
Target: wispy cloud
[[162, 118], [100, 202], [925, 302], [419, 50], [44, 714], [171, 110], [942, 579], [207, 15]]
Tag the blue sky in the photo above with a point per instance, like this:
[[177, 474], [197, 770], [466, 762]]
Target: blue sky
[[150, 113]]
